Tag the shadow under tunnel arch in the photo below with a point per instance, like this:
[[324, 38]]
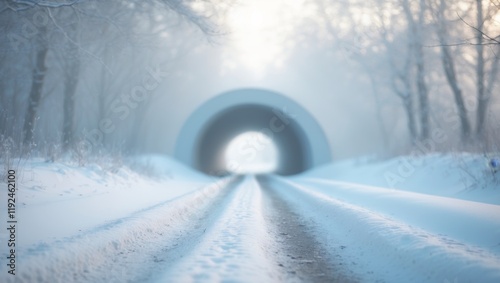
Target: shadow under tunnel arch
[[300, 141], [294, 156]]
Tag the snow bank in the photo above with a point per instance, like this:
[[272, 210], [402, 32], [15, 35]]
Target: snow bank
[[57, 200], [76, 223], [464, 176], [393, 236]]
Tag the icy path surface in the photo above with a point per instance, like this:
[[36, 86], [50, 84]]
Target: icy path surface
[[271, 229], [235, 244], [254, 237]]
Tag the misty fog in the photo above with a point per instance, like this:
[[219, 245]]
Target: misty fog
[[382, 78]]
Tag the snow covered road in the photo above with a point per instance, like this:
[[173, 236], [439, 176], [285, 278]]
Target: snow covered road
[[235, 243], [379, 245], [226, 231], [254, 237], [274, 229]]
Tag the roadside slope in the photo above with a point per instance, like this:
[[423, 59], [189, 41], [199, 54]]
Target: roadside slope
[[377, 246]]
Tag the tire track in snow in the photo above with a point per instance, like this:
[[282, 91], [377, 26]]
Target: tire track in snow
[[236, 246], [379, 248], [124, 250], [479, 223], [299, 253]]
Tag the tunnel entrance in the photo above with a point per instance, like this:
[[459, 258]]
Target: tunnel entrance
[[204, 138], [251, 153], [276, 125]]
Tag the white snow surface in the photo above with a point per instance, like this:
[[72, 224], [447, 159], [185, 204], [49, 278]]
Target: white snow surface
[[461, 175], [57, 200], [235, 245], [155, 220], [393, 236]]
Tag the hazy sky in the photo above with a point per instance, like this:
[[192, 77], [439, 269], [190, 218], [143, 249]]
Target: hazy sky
[[267, 46]]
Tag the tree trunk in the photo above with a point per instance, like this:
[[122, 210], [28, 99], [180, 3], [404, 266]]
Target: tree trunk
[[418, 53], [35, 95], [423, 91], [408, 103], [72, 72], [406, 96], [450, 73], [423, 94], [482, 99], [70, 85], [493, 74], [449, 68]]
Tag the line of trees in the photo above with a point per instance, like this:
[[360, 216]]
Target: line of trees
[[440, 58], [82, 73], [71, 70]]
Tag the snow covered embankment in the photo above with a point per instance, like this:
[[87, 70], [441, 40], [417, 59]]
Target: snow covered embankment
[[119, 236], [118, 250], [396, 236], [461, 175]]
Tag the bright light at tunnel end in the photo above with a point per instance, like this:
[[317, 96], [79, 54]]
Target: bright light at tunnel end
[[251, 153]]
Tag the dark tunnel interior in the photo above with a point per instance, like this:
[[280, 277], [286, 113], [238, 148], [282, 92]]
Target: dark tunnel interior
[[290, 140]]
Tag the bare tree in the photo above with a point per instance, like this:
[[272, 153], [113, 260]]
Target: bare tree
[[486, 63], [400, 74], [357, 42], [37, 82], [71, 69], [482, 99], [449, 67], [416, 32], [129, 30]]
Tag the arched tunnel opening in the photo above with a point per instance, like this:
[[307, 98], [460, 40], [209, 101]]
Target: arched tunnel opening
[[206, 135], [294, 156]]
